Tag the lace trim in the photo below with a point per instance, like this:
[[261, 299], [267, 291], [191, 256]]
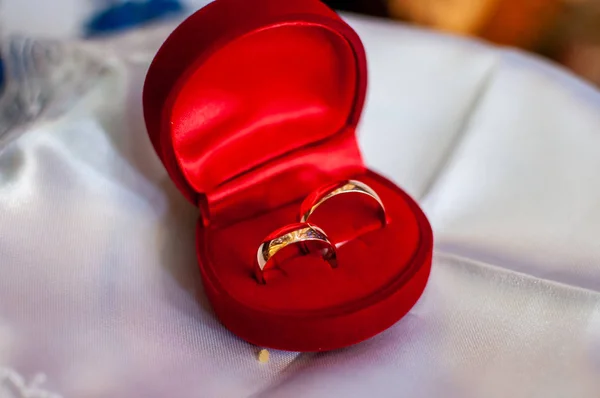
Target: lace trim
[[13, 385]]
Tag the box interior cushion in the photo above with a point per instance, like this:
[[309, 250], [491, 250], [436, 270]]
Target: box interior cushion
[[367, 264]]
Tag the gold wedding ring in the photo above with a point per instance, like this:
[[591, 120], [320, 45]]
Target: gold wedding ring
[[321, 195], [294, 234]]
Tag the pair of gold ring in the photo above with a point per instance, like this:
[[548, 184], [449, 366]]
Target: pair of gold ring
[[303, 232]]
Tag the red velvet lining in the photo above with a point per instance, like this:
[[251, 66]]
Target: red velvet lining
[[264, 95], [259, 97]]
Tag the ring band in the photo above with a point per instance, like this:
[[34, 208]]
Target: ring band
[[321, 195], [292, 234]]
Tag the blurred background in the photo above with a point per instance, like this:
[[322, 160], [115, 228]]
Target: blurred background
[[566, 31]]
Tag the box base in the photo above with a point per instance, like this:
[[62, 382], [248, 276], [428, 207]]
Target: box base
[[310, 306]]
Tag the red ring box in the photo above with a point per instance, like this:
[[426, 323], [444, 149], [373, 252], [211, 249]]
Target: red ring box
[[251, 105]]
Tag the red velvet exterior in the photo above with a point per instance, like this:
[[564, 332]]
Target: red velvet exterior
[[251, 81], [251, 105]]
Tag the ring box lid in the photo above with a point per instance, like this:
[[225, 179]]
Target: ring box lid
[[252, 104]]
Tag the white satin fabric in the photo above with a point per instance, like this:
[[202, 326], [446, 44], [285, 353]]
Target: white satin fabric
[[100, 294]]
